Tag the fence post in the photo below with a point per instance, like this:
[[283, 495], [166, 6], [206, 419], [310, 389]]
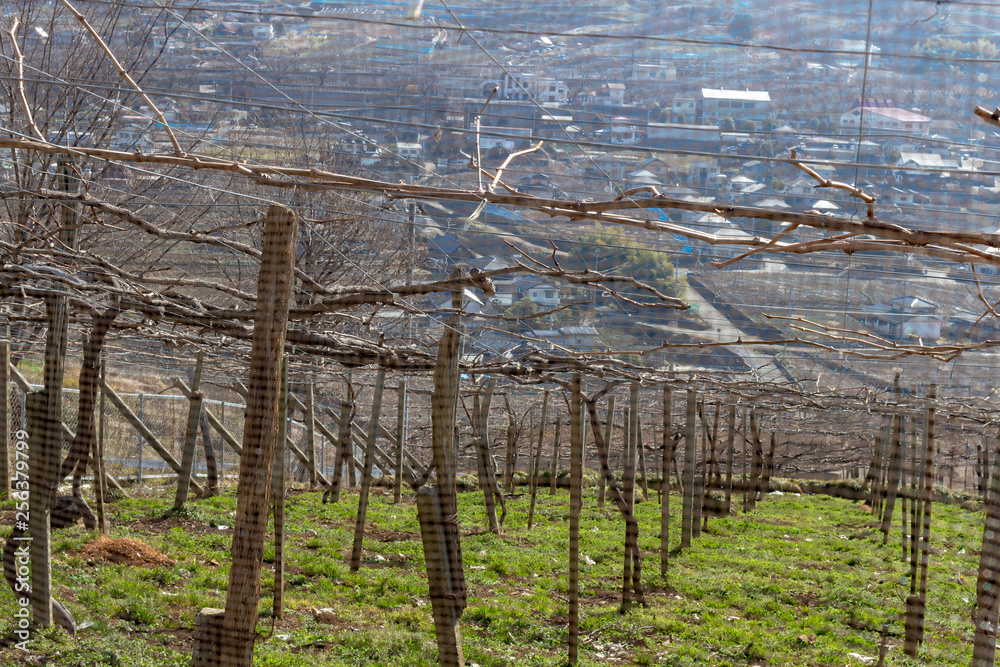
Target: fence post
[[609, 429], [665, 486], [41, 476], [311, 433], [575, 505], [366, 479], [274, 288], [190, 436], [278, 489], [222, 452], [916, 604], [401, 418], [437, 507], [533, 482], [731, 447], [484, 467], [628, 489], [988, 581], [99, 479], [141, 441], [554, 467], [689, 456]]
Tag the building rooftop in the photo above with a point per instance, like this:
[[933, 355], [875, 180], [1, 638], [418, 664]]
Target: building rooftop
[[744, 95]]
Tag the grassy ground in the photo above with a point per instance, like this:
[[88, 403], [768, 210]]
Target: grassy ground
[[803, 580]]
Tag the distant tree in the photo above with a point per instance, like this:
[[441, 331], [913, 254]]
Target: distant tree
[[892, 156], [727, 125], [664, 115], [768, 125], [777, 184], [823, 125], [522, 308], [767, 149], [681, 118], [748, 126], [741, 27], [613, 249]]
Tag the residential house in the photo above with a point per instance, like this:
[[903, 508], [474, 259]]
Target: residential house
[[624, 131], [641, 177], [714, 105], [903, 317], [659, 72], [683, 110], [537, 184], [409, 151], [883, 116], [612, 94], [263, 31], [539, 290], [575, 337]]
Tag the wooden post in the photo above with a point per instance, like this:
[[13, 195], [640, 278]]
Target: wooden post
[[311, 433], [41, 474], [687, 511], [988, 581], [874, 477], [631, 525], [343, 444], [713, 461], [756, 462], [274, 289], [437, 508], [916, 604], [665, 486], [366, 478], [731, 447], [211, 467], [484, 461], [609, 430], [628, 489], [744, 462], [102, 521], [5, 421], [510, 461], [641, 449], [446, 608], [190, 436], [622, 462], [401, 418], [916, 470], [698, 509], [533, 483], [902, 484], [895, 471], [554, 467], [278, 489], [765, 482], [575, 506]]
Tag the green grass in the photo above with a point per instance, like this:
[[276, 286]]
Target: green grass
[[803, 580]]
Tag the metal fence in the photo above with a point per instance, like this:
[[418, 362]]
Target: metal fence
[[128, 457]]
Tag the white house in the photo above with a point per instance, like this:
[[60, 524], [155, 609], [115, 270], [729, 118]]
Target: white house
[[883, 116], [409, 151], [263, 32], [716, 104], [613, 93]]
